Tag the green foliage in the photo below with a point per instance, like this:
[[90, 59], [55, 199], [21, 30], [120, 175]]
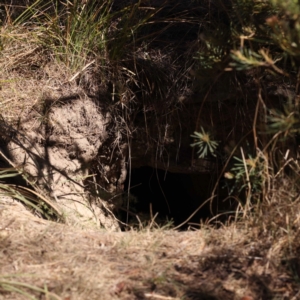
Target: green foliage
[[265, 29], [83, 31], [285, 26], [74, 31], [262, 49], [206, 145], [286, 121], [246, 59], [264, 36], [208, 59], [247, 173]]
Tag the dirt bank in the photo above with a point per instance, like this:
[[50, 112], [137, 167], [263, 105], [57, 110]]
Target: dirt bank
[[47, 260]]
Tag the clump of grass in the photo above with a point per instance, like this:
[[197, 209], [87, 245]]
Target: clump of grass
[[73, 31], [32, 198], [7, 285]]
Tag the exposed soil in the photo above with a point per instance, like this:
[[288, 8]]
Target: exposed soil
[[63, 140], [47, 260]]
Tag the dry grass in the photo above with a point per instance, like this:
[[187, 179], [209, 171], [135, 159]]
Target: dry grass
[[28, 75], [231, 262]]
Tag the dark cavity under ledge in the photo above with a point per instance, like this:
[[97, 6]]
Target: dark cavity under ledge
[[174, 196]]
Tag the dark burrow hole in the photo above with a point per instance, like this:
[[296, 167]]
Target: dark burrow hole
[[174, 196]]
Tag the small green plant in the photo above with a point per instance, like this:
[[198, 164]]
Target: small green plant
[[286, 121], [246, 59], [246, 173], [206, 145]]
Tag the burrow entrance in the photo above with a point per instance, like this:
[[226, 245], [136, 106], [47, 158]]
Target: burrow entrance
[[174, 196]]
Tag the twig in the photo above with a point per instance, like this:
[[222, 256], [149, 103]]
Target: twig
[[79, 72], [157, 296]]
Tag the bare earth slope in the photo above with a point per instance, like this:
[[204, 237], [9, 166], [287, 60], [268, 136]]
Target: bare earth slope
[[47, 260]]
